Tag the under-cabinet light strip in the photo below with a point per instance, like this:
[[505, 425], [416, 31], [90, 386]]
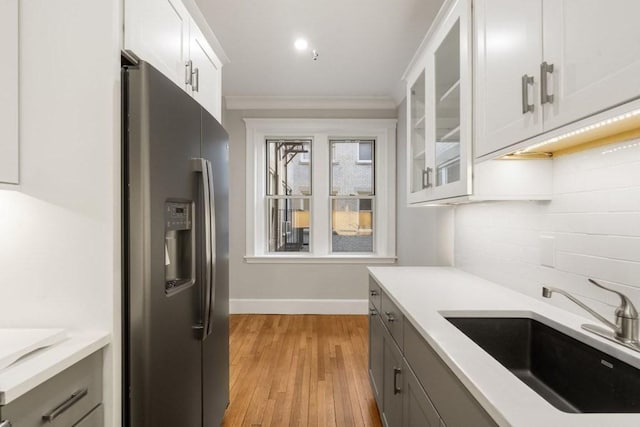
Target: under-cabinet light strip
[[579, 131]]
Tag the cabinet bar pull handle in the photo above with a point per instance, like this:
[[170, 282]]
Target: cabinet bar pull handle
[[526, 107], [545, 69], [389, 315], [196, 80], [426, 178], [61, 408], [396, 372], [188, 73]]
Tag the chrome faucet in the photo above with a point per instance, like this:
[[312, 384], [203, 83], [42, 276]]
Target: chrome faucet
[[625, 329]]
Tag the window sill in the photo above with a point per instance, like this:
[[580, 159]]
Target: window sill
[[327, 259]]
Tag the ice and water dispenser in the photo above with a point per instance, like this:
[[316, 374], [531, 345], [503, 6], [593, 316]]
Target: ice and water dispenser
[[179, 246]]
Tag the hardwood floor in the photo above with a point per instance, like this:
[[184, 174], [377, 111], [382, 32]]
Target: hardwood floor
[[302, 370]]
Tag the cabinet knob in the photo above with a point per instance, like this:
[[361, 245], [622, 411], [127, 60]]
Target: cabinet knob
[[373, 293], [390, 317], [372, 311]]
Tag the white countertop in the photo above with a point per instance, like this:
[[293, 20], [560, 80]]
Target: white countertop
[[424, 294], [37, 367], [18, 342]]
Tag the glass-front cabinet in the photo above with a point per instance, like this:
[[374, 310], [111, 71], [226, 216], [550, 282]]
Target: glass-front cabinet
[[439, 108]]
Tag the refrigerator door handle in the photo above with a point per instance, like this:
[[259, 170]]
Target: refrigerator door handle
[[203, 167], [213, 260]]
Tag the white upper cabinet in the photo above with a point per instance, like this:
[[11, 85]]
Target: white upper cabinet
[[542, 64], [163, 33], [206, 72], [157, 31], [594, 47], [508, 55], [439, 111], [9, 161]]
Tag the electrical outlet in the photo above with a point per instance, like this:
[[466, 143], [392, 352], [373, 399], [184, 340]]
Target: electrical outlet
[[548, 251]]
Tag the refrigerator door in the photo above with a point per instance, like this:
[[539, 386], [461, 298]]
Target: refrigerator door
[[215, 347], [163, 343]]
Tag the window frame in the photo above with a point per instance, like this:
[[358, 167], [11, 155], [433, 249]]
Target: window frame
[[321, 132]]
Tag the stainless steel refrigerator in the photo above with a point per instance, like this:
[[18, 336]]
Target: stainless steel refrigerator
[[176, 241]]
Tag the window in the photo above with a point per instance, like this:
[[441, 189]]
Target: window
[[288, 194], [352, 186], [320, 190]]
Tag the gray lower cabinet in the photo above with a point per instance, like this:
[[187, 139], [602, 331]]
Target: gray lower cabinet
[[391, 383], [94, 418], [417, 411], [71, 398], [456, 406], [376, 353], [412, 386]]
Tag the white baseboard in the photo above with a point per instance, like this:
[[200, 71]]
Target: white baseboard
[[298, 306]]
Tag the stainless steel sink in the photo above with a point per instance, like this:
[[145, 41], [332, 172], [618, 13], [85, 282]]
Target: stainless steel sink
[[570, 375]]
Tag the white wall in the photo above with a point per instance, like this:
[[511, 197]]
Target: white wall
[[424, 234], [59, 234], [284, 281], [594, 219]]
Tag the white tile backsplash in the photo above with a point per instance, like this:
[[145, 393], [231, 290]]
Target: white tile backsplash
[[594, 220]]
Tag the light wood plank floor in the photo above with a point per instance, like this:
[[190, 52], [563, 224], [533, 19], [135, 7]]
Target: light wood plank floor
[[302, 370]]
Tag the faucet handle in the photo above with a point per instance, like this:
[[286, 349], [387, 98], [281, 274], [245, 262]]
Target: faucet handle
[[626, 309]]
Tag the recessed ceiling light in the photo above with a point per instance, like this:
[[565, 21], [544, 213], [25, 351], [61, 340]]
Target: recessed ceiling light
[[301, 44]]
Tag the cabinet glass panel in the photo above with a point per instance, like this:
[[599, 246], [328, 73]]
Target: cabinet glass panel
[[447, 108], [417, 136]]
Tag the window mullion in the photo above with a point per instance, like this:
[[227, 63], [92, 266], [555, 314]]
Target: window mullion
[[321, 204]]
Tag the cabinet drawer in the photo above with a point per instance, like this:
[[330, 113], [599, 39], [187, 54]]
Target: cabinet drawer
[[94, 419], [392, 318], [66, 398], [453, 401], [374, 294]]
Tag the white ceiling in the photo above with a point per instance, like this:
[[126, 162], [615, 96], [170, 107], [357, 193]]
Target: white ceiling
[[364, 46]]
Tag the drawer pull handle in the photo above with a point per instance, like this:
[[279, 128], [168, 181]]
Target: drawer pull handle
[[61, 408], [396, 372], [389, 315], [373, 293]]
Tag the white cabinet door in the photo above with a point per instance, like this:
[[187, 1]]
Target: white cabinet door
[[157, 31], [206, 82], [594, 47], [448, 107], [9, 91], [508, 47]]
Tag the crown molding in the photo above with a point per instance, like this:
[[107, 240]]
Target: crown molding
[[310, 103]]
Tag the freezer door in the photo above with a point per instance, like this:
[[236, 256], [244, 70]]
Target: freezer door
[[215, 347], [163, 343]]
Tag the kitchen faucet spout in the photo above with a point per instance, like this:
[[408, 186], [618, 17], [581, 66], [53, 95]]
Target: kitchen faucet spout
[[626, 328]]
